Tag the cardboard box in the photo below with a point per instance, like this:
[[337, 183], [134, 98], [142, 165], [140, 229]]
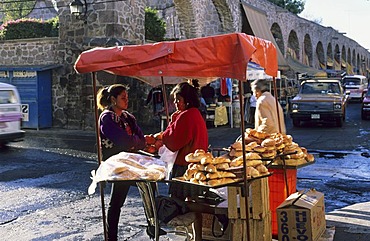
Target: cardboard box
[[302, 216]]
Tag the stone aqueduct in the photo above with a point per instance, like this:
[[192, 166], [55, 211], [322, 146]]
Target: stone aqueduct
[[109, 23]]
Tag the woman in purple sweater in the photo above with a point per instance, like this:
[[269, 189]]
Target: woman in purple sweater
[[119, 132]]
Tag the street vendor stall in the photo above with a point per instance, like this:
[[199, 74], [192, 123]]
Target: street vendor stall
[[208, 58]]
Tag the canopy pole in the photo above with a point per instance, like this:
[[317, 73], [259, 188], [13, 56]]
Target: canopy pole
[[98, 147], [246, 184], [165, 100], [276, 101]]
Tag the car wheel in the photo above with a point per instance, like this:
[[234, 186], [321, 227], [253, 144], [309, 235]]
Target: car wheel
[[296, 122], [339, 122]]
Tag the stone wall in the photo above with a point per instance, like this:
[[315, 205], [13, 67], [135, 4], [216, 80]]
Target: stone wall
[[40, 51]]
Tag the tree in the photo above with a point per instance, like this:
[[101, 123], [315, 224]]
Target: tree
[[155, 28], [16, 9], [293, 6]]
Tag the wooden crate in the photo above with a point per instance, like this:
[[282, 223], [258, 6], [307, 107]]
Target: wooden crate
[[259, 212]]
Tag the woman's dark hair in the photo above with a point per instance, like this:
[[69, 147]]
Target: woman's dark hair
[[104, 94], [190, 93]]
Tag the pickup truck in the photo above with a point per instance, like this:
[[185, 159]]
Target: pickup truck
[[319, 100]]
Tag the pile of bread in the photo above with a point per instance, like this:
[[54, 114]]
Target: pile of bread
[[208, 170], [153, 142], [274, 146]]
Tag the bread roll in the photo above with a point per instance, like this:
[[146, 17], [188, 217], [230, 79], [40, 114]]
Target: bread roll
[[280, 146], [193, 180], [288, 139], [310, 157], [200, 176], [252, 156], [206, 160], [268, 154], [262, 169], [220, 181], [292, 162], [298, 155], [191, 158], [199, 152], [119, 170], [132, 163], [259, 149], [220, 159], [220, 174], [235, 153], [237, 145], [189, 173], [252, 172], [253, 163], [237, 162], [250, 146], [268, 143], [304, 150], [222, 166], [261, 135], [210, 168], [197, 166]]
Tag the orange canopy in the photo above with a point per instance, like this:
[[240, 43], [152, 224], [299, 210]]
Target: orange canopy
[[204, 58]]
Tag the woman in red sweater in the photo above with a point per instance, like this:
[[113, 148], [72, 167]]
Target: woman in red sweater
[[186, 132]]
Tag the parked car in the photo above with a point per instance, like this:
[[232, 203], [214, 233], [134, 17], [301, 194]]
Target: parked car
[[10, 114], [356, 84], [319, 100], [365, 107]]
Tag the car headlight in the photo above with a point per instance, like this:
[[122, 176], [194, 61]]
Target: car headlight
[[337, 106], [294, 106]]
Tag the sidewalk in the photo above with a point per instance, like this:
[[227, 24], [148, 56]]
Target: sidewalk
[[351, 223]]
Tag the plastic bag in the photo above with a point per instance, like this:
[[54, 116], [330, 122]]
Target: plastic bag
[[128, 166], [169, 157]]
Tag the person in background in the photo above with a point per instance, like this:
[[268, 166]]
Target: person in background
[[118, 132], [185, 133], [252, 108], [208, 93], [155, 96], [266, 116]]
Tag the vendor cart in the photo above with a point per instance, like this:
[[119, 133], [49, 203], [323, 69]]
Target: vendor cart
[[170, 62]]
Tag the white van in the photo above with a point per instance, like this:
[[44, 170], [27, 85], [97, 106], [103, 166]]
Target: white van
[[10, 114], [356, 84]]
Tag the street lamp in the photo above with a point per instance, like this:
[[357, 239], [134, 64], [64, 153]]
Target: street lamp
[[78, 9]]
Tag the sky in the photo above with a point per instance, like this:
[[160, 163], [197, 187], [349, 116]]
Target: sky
[[349, 16]]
